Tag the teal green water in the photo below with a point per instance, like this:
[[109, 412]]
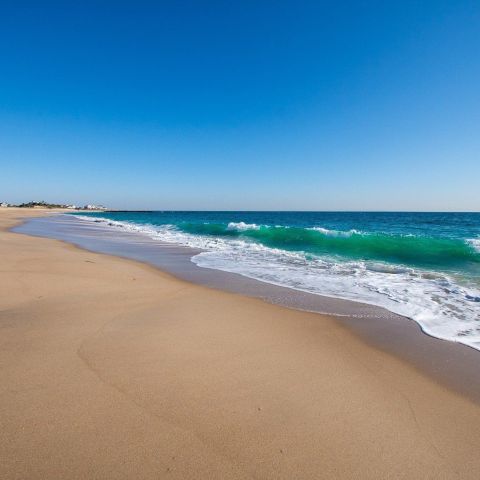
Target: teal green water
[[422, 265], [407, 249], [439, 241]]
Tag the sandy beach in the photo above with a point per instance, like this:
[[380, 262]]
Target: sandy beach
[[113, 369]]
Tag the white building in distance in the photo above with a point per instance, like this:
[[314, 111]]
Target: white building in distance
[[94, 207]]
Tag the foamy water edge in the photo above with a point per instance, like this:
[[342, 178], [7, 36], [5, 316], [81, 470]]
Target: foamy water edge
[[443, 308]]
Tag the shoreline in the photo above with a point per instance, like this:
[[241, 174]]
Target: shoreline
[[114, 369], [453, 364]]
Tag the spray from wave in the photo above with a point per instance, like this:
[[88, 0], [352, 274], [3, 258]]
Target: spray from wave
[[415, 276], [353, 245]]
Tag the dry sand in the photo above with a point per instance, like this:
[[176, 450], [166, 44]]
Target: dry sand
[[112, 369]]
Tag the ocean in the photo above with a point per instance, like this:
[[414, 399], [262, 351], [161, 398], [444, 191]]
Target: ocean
[[425, 266]]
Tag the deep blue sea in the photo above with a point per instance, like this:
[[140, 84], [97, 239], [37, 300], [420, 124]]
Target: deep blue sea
[[422, 265]]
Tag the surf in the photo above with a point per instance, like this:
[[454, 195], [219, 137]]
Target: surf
[[412, 250], [423, 266]]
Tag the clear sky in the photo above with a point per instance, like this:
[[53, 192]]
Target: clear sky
[[321, 105]]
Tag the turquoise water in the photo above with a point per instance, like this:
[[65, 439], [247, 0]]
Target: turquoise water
[[423, 265]]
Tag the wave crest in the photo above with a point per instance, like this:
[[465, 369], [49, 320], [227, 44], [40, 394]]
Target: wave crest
[[475, 243], [242, 226], [335, 233], [353, 245]]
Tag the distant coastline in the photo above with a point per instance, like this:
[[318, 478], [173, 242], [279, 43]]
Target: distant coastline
[[43, 204]]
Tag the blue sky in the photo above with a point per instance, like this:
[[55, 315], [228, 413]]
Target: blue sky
[[242, 105]]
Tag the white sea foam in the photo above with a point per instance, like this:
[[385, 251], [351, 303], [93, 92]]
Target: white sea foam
[[475, 243], [442, 305], [334, 233], [242, 226]]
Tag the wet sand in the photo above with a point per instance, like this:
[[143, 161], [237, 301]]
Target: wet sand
[[113, 369], [455, 365]]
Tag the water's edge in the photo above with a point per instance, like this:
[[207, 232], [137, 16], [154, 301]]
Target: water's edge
[[402, 265], [454, 365]]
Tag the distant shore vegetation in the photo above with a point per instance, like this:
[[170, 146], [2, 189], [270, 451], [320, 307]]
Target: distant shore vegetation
[[43, 204]]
